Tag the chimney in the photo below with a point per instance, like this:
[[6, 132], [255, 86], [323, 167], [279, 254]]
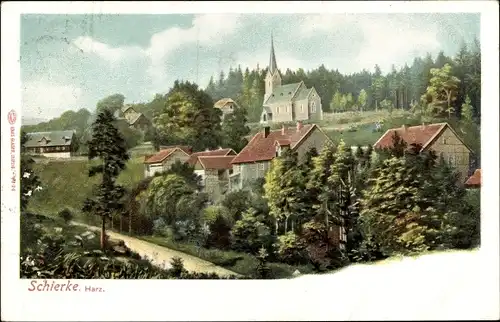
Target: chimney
[[424, 125], [283, 129], [299, 126], [220, 148], [207, 149], [404, 127], [267, 129]]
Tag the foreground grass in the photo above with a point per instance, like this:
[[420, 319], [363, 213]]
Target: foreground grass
[[241, 263], [66, 184]]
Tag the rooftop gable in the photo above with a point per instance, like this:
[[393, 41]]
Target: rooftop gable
[[261, 148], [162, 155], [216, 162], [475, 179], [423, 135], [219, 152]]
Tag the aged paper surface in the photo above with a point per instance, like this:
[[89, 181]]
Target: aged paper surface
[[292, 160]]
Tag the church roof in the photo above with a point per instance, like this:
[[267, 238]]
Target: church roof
[[303, 93], [283, 93]]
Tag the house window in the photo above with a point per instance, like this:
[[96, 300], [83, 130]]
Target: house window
[[261, 166], [313, 107], [302, 108], [444, 141]]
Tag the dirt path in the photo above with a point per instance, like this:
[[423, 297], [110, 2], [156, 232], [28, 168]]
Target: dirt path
[[161, 256]]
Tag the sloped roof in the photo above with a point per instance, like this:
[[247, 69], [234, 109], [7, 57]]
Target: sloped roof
[[303, 93], [53, 138], [162, 155], [219, 152], [475, 179], [262, 148], [216, 162], [223, 101], [186, 148], [423, 135], [284, 93], [126, 107], [136, 117]]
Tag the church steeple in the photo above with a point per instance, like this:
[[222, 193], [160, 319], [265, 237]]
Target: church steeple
[[272, 58], [273, 78]]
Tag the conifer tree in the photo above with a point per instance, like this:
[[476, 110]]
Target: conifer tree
[[108, 145]]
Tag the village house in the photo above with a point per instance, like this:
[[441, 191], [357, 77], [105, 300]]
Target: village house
[[255, 159], [134, 119], [439, 137], [474, 181], [226, 105], [54, 144], [214, 172], [290, 102], [163, 160]]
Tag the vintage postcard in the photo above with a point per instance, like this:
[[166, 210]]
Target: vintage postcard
[[319, 161]]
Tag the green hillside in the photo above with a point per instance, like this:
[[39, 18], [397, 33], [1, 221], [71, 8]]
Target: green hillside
[[66, 184]]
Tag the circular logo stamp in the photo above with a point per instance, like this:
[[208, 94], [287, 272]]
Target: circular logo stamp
[[12, 116]]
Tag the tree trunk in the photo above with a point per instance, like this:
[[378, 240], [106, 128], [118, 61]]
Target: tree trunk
[[376, 106], [276, 226], [292, 222], [130, 223], [121, 223], [112, 222], [103, 233]]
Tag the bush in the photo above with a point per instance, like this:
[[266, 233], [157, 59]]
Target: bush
[[218, 224], [66, 215], [290, 248], [177, 266], [250, 233]]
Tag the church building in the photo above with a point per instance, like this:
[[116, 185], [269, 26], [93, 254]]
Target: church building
[[290, 102]]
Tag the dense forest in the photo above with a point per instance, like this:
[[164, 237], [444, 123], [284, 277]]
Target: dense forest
[[401, 88], [442, 84]]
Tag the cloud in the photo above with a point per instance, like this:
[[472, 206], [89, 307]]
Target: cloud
[[88, 45], [208, 29], [384, 39], [45, 100]]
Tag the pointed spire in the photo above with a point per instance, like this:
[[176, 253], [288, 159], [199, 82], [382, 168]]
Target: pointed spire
[[272, 59]]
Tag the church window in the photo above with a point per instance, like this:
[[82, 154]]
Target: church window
[[287, 108], [302, 107], [313, 107], [278, 110]]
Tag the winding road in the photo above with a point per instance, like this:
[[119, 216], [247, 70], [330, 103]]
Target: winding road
[[161, 256]]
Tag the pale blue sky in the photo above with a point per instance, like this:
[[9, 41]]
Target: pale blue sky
[[72, 61]]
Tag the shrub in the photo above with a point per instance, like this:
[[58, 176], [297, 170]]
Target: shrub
[[290, 248], [66, 215], [250, 233], [218, 224], [263, 271], [177, 266]]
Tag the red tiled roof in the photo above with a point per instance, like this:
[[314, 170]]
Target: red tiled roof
[[216, 162], [186, 148], [421, 134], [262, 148], [219, 152], [160, 156], [475, 179], [283, 142]]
